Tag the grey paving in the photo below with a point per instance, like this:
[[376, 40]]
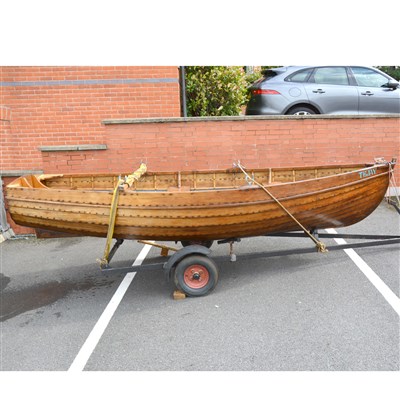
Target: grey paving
[[299, 312]]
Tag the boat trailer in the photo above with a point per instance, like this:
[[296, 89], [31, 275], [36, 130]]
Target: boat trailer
[[196, 274]]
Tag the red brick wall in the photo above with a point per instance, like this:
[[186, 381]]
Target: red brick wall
[[218, 142], [65, 105], [53, 106]]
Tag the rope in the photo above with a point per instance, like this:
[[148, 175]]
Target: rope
[[136, 175], [321, 247], [393, 183]]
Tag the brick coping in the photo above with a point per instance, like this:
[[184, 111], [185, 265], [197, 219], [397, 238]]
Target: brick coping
[[242, 118], [15, 173], [73, 147]]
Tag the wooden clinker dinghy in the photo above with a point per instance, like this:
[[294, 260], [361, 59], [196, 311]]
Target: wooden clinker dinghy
[[200, 205]]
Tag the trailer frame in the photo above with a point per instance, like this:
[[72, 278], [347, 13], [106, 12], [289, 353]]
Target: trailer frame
[[201, 255]]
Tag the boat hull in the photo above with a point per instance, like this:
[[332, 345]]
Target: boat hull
[[204, 214]]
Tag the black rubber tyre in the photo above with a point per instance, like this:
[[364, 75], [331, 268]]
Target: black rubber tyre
[[196, 275], [205, 243], [301, 110]]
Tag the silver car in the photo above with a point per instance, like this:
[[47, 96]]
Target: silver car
[[324, 90]]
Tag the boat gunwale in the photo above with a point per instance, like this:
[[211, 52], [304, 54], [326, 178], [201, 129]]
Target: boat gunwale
[[210, 189], [205, 206], [211, 171]]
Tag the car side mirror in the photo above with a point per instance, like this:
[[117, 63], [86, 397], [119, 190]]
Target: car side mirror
[[392, 85]]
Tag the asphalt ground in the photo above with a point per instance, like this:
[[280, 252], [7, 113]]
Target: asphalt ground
[[310, 312]]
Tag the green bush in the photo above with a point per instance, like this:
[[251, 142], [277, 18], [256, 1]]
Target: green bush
[[215, 91], [394, 72]]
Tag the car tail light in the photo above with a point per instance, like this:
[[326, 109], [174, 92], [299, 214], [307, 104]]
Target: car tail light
[[264, 91]]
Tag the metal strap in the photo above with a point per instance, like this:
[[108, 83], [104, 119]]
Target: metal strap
[[120, 186]]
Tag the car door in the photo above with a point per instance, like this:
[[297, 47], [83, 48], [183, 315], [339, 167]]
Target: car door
[[374, 97], [329, 89]]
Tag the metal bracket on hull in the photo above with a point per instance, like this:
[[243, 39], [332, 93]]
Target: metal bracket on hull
[[105, 262], [396, 205]]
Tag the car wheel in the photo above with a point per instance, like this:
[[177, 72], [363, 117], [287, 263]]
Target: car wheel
[[301, 111]]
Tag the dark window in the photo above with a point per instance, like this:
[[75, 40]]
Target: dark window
[[268, 74], [299, 76]]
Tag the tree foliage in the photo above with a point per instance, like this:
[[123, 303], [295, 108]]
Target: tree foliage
[[394, 71], [215, 91]]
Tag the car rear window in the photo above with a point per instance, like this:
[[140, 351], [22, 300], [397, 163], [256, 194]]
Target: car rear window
[[300, 76], [268, 74]]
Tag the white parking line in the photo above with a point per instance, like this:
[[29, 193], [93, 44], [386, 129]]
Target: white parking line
[[383, 289], [95, 335]]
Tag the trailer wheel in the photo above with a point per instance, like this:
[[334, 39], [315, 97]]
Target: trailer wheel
[[196, 275]]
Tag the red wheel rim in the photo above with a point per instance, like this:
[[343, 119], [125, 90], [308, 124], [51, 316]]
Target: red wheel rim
[[196, 276]]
